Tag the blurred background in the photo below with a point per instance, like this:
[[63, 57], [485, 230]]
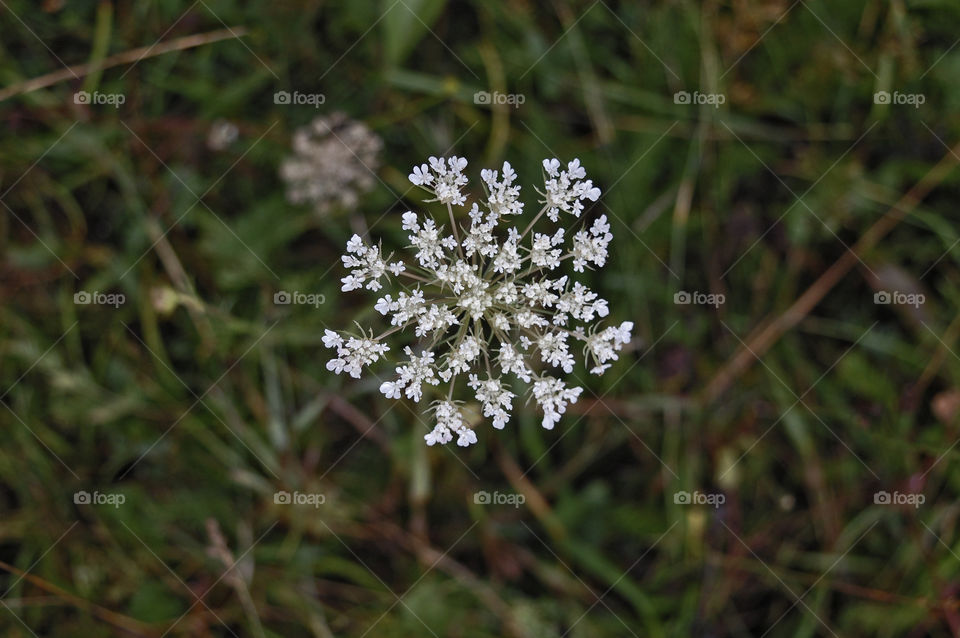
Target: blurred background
[[773, 456]]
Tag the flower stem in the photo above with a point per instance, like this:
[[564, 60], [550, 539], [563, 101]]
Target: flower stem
[[407, 273], [532, 222], [456, 233]]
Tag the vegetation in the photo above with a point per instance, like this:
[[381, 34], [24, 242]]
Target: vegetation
[[811, 172]]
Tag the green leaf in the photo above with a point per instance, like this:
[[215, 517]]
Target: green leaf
[[154, 603], [404, 25]]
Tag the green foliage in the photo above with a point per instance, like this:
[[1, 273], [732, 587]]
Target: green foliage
[[198, 398]]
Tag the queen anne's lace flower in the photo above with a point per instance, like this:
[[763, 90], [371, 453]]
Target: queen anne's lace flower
[[334, 162], [566, 190], [485, 302]]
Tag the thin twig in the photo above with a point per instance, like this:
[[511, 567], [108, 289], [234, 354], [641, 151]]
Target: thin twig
[[127, 57], [118, 620], [769, 331], [359, 420]]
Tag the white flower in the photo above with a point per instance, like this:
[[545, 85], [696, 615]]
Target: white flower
[[553, 396], [334, 162], [603, 346], [443, 180], [544, 253], [417, 371], [512, 362], [460, 360], [508, 259], [480, 238], [449, 420], [353, 354], [421, 175], [436, 317], [592, 246], [367, 265], [553, 350], [502, 196], [563, 191], [483, 299], [331, 339], [496, 400]]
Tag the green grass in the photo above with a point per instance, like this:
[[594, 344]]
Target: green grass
[[199, 398]]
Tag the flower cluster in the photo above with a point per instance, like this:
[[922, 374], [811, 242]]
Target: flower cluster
[[333, 163], [485, 300]]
